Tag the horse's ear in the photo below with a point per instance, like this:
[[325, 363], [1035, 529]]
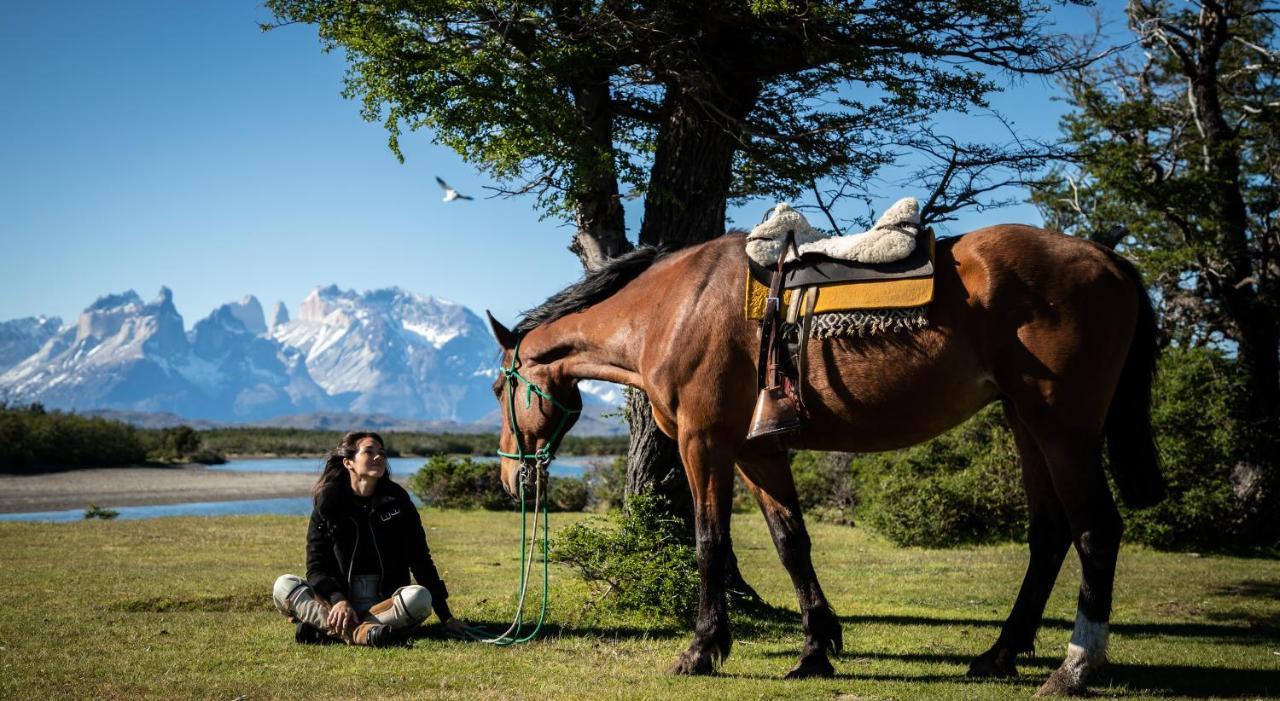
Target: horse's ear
[[506, 338]]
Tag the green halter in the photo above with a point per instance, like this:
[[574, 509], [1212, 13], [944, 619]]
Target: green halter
[[546, 453], [535, 460]]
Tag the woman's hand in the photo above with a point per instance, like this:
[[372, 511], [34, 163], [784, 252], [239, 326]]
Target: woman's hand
[[456, 627], [342, 617]]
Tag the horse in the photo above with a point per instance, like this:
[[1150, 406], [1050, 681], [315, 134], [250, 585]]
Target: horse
[[1059, 329]]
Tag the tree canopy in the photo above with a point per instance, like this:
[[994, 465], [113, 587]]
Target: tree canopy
[[686, 104], [1177, 161]]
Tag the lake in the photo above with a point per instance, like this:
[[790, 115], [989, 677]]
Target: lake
[[401, 468]]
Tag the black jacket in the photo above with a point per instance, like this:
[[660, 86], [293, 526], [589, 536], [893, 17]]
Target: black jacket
[[400, 544]]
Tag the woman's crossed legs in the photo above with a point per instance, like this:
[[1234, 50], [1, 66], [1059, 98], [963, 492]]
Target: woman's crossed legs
[[404, 609]]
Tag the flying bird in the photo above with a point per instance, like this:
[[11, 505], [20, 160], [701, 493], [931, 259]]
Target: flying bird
[[451, 194]]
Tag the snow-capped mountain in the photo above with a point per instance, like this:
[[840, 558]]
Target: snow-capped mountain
[[246, 375], [120, 353], [395, 352], [21, 338], [385, 352]]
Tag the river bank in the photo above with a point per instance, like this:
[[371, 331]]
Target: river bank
[[137, 486]]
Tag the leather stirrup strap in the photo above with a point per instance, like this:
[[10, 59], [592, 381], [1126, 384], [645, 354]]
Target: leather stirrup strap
[[769, 330]]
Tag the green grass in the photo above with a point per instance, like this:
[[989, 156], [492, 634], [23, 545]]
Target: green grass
[[180, 608]]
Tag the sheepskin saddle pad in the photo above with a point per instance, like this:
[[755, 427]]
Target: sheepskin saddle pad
[[886, 286]]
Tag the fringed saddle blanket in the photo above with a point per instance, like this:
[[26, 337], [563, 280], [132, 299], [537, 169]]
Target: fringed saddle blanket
[[851, 298]]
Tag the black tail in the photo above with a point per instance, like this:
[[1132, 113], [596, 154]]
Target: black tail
[[1131, 445]]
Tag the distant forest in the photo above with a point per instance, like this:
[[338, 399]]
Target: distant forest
[[38, 440], [294, 441]]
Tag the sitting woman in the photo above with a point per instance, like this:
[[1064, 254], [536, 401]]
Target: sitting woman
[[364, 538]]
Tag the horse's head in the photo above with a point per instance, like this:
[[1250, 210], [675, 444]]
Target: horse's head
[[539, 402]]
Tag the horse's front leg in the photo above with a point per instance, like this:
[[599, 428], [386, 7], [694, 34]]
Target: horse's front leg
[[770, 480], [710, 476]]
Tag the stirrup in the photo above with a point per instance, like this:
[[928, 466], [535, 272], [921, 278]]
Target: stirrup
[[776, 413]]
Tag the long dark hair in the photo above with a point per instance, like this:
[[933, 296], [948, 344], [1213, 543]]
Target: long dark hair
[[334, 470]]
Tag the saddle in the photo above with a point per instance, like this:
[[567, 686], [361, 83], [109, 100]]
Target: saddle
[[812, 285]]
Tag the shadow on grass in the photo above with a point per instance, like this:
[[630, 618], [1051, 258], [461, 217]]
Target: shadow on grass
[[1250, 589], [552, 631], [1257, 629], [1168, 681]]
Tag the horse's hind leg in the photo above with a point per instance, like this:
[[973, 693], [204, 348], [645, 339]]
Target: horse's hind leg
[[1075, 465], [711, 479], [770, 480], [1050, 536]]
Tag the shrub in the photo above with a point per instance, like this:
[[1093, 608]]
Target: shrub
[[962, 487], [1195, 405], [453, 482], [450, 482], [567, 494], [639, 559], [826, 485], [95, 511], [179, 443], [606, 483]]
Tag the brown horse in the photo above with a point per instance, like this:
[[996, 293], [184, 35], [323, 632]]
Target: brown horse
[[1059, 329]]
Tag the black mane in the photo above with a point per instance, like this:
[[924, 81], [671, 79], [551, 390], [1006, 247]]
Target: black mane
[[594, 287]]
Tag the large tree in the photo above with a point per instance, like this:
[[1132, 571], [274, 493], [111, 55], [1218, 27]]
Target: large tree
[[1177, 161], [688, 104]]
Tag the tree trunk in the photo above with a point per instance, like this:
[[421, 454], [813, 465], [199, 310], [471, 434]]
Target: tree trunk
[[685, 204], [602, 229], [1243, 291]]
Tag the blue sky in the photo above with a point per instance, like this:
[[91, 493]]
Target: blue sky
[[173, 143]]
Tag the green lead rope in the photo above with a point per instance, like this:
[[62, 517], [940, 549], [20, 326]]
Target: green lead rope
[[513, 636], [540, 457]]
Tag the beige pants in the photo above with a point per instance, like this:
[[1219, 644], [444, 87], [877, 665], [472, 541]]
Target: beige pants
[[407, 607]]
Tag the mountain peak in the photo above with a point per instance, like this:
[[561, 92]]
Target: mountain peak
[[279, 316], [109, 301]]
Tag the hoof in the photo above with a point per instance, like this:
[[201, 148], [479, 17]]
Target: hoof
[[1062, 683], [996, 662], [814, 666], [692, 663]]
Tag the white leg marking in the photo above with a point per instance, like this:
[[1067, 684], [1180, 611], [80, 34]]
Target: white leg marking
[[1087, 650]]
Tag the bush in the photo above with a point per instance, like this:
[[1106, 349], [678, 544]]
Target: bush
[[449, 482], [452, 482], [1195, 402], [179, 444], [826, 485], [639, 559], [567, 494], [606, 483], [962, 487], [95, 511]]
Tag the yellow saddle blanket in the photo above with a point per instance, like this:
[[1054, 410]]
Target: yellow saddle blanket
[[860, 295]]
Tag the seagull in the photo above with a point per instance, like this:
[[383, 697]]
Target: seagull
[[451, 194]]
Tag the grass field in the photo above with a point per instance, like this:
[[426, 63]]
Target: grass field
[[180, 608]]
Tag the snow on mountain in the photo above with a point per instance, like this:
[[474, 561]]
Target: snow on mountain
[[382, 352], [395, 352], [21, 338], [245, 374], [120, 353]]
